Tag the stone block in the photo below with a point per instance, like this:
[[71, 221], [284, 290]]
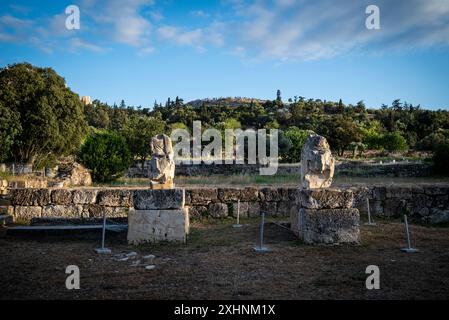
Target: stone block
[[285, 208], [97, 211], [61, 211], [26, 213], [158, 226], [270, 208], [398, 192], [61, 196], [327, 226], [197, 211], [218, 210], [244, 206], [228, 194], [158, 199], [325, 199], [269, 194], [115, 198], [203, 196], [30, 197], [84, 196], [249, 194]]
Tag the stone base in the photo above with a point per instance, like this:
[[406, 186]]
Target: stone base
[[158, 226], [326, 226]]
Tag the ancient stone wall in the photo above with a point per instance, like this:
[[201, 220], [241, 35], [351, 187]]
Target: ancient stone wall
[[426, 203]]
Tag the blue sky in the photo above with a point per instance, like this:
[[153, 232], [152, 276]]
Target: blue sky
[[147, 50]]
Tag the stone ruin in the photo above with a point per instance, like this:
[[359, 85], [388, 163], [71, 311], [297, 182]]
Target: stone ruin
[[158, 215], [162, 164], [325, 216], [317, 163]]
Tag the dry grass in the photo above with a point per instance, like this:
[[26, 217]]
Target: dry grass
[[218, 263]]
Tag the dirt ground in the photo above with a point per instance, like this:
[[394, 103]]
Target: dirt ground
[[219, 263]]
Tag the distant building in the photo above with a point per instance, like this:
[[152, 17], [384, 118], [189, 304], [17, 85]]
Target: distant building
[[86, 100]]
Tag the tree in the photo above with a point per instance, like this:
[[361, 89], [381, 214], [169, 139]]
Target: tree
[[372, 135], [106, 155], [47, 116], [297, 139], [394, 142], [278, 96], [340, 131], [441, 158], [9, 127], [138, 134]]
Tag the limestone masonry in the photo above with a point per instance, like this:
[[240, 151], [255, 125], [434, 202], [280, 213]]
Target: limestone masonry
[[424, 203]]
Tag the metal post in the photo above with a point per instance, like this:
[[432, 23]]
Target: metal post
[[261, 248], [238, 225], [370, 223], [409, 249], [103, 236]]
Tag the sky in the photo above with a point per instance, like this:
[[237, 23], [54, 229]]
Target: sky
[[147, 50]]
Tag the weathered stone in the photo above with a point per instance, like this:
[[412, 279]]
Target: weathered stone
[[229, 194], [30, 197], [197, 211], [270, 208], [84, 196], [61, 211], [253, 209], [286, 208], [203, 196], [327, 226], [115, 198], [269, 194], [71, 174], [394, 207], [325, 198], [398, 192], [162, 164], [26, 213], [317, 163], [241, 207], [97, 211], [61, 196], [249, 194], [157, 225], [436, 190], [159, 199], [438, 216], [218, 210]]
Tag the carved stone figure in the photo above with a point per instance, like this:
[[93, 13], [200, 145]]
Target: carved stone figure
[[162, 164], [317, 163]]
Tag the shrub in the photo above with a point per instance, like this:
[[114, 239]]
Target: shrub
[[441, 158], [394, 142], [106, 155]]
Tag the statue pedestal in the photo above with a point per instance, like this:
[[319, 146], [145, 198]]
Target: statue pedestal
[[326, 216], [158, 216]]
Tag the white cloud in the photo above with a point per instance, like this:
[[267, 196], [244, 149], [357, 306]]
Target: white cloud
[[307, 30]]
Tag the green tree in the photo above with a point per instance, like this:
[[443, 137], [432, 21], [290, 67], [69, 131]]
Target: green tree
[[297, 138], [106, 155], [340, 131], [48, 116], [394, 141], [138, 134], [9, 127]]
